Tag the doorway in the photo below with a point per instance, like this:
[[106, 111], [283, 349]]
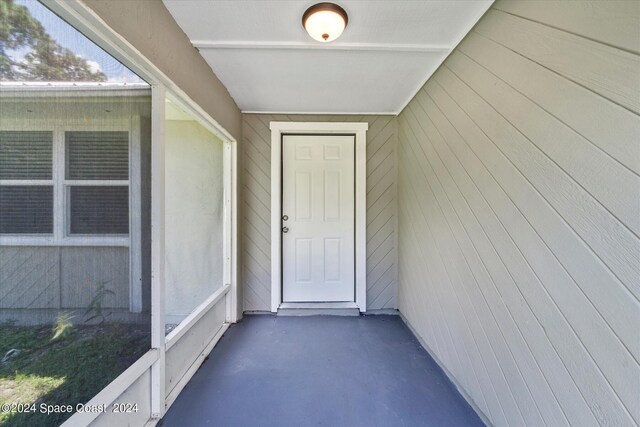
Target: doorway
[[318, 215]]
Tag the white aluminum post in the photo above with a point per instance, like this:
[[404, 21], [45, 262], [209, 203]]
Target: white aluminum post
[[158, 249]]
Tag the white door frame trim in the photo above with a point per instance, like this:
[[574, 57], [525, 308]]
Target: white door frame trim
[[359, 130]]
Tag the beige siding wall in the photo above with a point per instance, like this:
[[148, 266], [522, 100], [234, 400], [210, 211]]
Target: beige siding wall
[[256, 208], [518, 195]]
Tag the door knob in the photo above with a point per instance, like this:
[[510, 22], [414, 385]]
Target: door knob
[[285, 229]]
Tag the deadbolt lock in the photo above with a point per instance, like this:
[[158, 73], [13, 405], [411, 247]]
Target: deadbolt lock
[[285, 217]]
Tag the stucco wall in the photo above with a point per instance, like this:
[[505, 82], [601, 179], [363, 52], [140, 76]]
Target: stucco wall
[[194, 217]]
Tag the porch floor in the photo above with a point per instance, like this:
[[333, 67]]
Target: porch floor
[[320, 371]]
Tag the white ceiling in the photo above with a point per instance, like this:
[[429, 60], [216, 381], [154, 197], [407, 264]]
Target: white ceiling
[[267, 61]]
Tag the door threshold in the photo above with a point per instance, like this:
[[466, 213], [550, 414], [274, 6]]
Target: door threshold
[[318, 309], [318, 305]]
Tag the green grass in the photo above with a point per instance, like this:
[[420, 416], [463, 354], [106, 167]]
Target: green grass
[[67, 370]]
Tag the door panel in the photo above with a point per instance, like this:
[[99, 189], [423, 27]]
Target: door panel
[[318, 202], [332, 193], [302, 196], [303, 255]]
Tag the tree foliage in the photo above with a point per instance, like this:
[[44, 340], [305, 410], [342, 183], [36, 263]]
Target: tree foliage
[[44, 59]]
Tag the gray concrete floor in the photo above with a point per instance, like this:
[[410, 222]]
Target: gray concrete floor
[[320, 371]]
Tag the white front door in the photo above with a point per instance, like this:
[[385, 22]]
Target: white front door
[[318, 209]]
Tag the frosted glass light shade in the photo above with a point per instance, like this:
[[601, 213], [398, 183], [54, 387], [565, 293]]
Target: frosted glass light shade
[[325, 22]]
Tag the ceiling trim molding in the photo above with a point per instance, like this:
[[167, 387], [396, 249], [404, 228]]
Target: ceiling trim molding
[[380, 47], [322, 113]]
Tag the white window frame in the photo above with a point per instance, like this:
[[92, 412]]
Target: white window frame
[[60, 235]]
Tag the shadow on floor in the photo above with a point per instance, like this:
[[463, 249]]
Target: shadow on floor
[[320, 371]]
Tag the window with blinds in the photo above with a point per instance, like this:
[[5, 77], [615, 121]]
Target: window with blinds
[[26, 155], [96, 182], [96, 176], [26, 209], [26, 185], [99, 210], [97, 155]]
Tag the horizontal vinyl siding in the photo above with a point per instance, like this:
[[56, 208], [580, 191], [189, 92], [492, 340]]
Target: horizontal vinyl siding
[[256, 207], [519, 213]]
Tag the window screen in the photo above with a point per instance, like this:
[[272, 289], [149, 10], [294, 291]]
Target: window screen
[[75, 216], [194, 209]]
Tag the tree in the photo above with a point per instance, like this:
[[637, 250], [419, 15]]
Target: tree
[[45, 59]]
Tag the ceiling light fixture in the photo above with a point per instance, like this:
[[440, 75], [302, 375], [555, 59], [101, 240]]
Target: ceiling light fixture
[[325, 22]]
